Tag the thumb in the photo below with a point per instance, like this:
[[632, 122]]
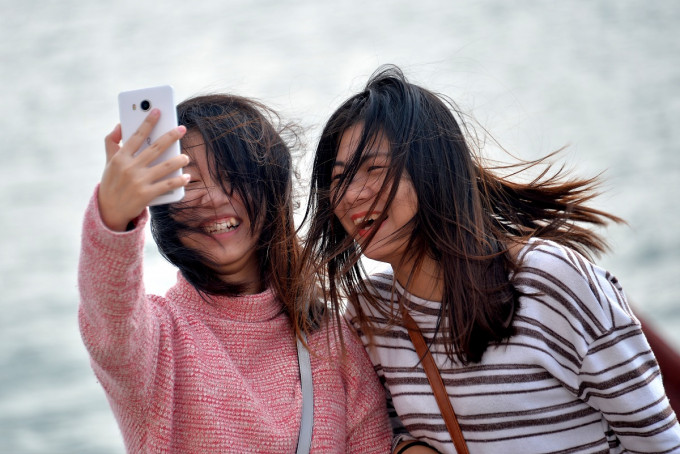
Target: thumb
[[112, 142]]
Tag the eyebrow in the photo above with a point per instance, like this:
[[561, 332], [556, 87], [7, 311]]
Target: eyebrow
[[364, 158]]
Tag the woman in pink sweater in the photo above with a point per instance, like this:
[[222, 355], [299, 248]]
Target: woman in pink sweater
[[213, 366]]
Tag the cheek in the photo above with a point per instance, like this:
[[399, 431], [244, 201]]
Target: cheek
[[334, 200], [409, 194], [413, 203], [341, 212], [337, 204], [340, 216], [406, 203]]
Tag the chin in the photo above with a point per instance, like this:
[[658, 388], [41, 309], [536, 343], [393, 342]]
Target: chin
[[387, 253], [377, 255]]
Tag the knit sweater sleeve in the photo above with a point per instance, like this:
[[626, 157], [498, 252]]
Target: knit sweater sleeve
[[116, 321], [368, 429], [617, 373]]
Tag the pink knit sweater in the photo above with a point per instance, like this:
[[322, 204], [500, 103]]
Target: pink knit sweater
[[186, 376]]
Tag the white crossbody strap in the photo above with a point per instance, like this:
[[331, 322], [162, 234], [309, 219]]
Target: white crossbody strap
[[307, 419]]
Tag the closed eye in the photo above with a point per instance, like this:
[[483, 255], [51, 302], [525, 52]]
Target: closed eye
[[194, 185]]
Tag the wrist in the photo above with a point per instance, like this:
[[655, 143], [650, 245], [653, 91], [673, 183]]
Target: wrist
[[114, 222]]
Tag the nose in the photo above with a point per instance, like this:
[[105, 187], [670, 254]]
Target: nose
[[214, 196], [359, 190]]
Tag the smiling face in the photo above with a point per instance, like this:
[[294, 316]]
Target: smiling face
[[364, 201], [224, 233]]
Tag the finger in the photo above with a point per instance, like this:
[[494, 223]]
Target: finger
[[167, 167], [168, 184], [137, 139], [112, 142], [157, 148]]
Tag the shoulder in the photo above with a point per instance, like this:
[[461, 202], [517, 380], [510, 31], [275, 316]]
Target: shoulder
[[334, 336], [557, 279], [554, 264], [382, 276], [337, 347], [380, 283], [539, 253]]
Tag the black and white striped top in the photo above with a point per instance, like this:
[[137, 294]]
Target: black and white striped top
[[577, 377]]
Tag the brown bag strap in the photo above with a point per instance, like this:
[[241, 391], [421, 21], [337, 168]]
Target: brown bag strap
[[436, 383]]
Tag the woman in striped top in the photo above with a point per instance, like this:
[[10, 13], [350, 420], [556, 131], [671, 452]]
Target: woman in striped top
[[537, 346]]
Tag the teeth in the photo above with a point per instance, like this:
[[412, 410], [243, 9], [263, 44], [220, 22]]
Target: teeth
[[221, 226], [368, 219]]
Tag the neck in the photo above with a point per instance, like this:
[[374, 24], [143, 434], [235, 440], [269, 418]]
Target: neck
[[423, 281], [253, 288], [247, 277], [246, 287]]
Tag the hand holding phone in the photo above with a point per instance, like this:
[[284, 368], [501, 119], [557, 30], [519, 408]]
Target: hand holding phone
[[142, 171], [134, 106]]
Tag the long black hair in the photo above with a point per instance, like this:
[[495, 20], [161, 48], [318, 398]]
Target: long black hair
[[246, 155], [466, 218]]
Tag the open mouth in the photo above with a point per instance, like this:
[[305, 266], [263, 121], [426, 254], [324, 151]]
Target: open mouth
[[365, 222], [221, 226]]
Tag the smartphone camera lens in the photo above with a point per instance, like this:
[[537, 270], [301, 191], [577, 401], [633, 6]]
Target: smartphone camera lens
[[145, 105]]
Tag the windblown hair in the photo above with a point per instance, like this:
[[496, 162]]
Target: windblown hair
[[246, 155], [467, 215]]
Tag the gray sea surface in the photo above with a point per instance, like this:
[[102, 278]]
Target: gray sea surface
[[602, 76]]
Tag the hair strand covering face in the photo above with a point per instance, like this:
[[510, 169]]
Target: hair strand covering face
[[467, 215], [247, 155]]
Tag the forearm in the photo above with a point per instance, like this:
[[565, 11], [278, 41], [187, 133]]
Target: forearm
[[114, 318]]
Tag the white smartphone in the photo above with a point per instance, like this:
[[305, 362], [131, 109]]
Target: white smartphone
[[134, 106]]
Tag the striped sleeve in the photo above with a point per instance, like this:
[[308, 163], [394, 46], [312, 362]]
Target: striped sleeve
[[617, 373]]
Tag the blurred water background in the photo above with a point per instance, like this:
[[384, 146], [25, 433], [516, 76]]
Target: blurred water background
[[600, 75]]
